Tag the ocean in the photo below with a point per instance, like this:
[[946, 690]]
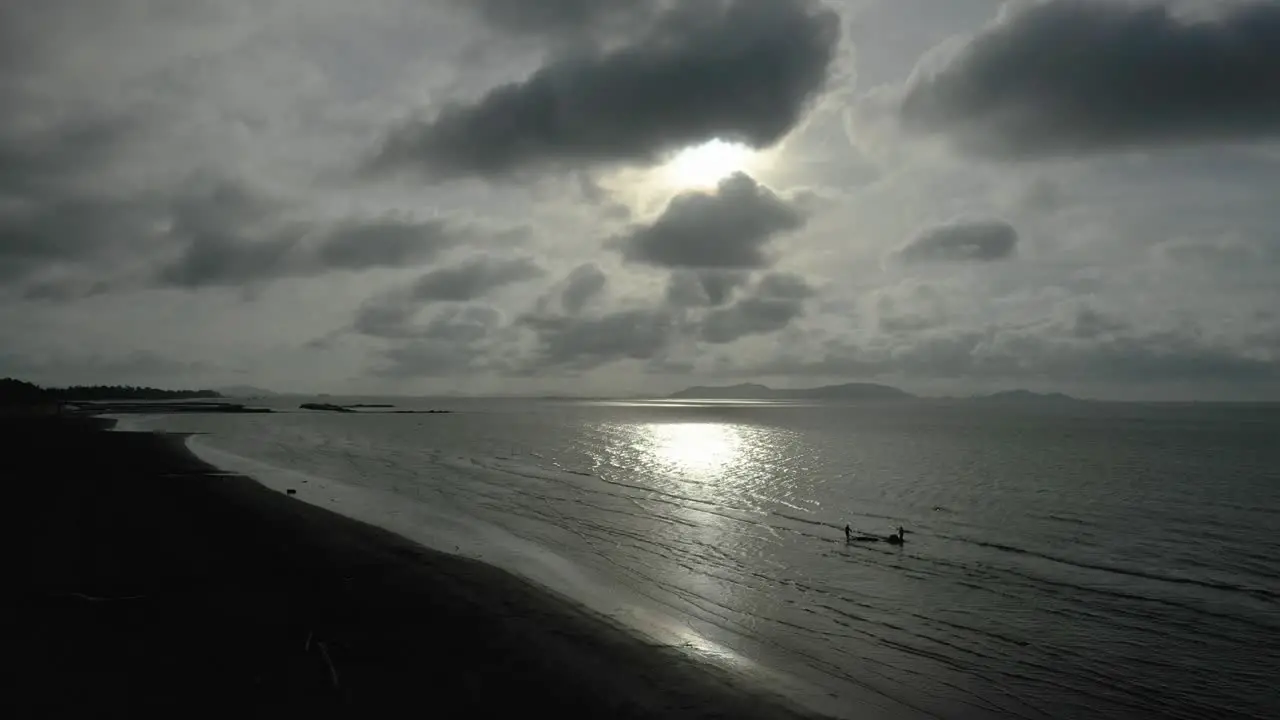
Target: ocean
[[1064, 560]]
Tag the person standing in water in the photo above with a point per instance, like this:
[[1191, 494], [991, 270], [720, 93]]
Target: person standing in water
[[848, 533]]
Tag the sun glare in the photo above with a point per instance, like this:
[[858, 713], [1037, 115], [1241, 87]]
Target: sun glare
[[695, 447], [705, 165]]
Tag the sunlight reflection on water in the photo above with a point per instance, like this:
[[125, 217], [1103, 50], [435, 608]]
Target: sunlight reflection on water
[[701, 449]]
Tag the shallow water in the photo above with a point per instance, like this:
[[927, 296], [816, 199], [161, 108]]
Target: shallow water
[[1086, 560]]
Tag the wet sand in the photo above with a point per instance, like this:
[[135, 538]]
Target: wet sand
[[148, 580]]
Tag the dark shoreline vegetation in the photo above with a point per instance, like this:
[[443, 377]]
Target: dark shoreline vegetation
[[152, 581], [23, 399], [14, 391]]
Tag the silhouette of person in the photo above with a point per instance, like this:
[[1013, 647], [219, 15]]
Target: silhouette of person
[[848, 533]]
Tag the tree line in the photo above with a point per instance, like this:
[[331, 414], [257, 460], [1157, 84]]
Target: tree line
[[22, 392]]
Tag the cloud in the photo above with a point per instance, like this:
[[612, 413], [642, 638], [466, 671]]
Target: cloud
[[205, 231], [740, 70], [51, 213], [910, 308], [452, 341], [144, 184], [961, 241], [694, 288], [392, 314], [39, 235], [729, 228], [385, 242], [231, 235], [473, 278], [584, 284], [778, 299], [1069, 77], [560, 17], [54, 157], [387, 317], [584, 343], [1088, 323], [135, 368], [1087, 348]]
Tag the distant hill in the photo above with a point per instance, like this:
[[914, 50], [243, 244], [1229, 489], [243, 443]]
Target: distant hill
[[1025, 396], [245, 391], [751, 391]]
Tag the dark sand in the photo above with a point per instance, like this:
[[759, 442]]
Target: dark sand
[[143, 579]]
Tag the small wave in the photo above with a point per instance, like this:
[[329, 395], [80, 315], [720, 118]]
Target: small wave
[[806, 521], [1063, 519], [1210, 584]]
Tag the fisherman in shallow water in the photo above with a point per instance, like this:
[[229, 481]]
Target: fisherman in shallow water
[[897, 539], [848, 533]]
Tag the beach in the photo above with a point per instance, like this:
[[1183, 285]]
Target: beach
[[149, 580]]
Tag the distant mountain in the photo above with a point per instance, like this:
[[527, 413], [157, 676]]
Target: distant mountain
[[751, 391], [745, 391], [244, 391], [1025, 396]]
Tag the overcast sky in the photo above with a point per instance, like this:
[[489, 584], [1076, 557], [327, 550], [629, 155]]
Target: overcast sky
[[632, 196]]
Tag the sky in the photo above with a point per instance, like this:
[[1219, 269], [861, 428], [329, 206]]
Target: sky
[[621, 197]]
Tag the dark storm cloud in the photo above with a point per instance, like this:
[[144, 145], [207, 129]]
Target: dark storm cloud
[[1089, 323], [228, 237], [231, 236], [45, 158], [40, 234], [66, 228], [588, 342], [50, 214], [392, 314], [910, 309], [383, 318], [729, 228], [385, 242], [386, 318], [573, 294], [1098, 350], [961, 241], [223, 232], [474, 278], [740, 70], [452, 341], [695, 288], [559, 17], [778, 299], [228, 261], [584, 284], [583, 342], [1067, 77]]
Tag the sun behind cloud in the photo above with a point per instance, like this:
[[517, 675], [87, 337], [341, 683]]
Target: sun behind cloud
[[704, 166]]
